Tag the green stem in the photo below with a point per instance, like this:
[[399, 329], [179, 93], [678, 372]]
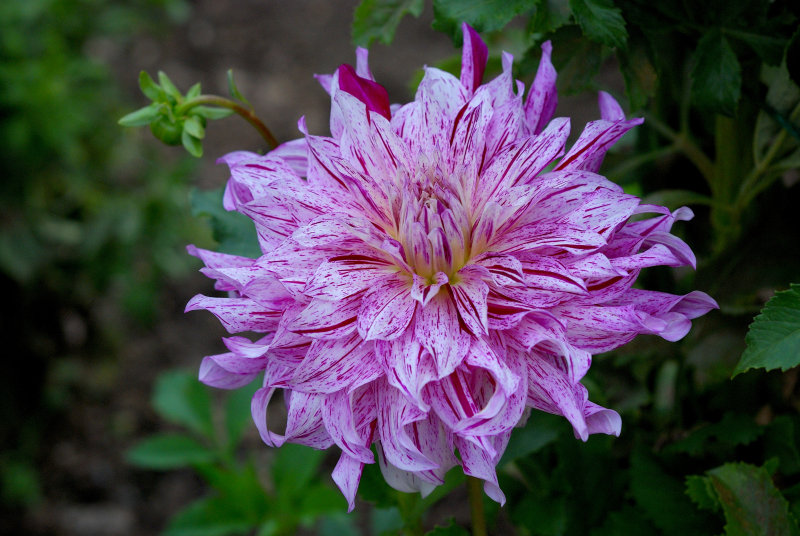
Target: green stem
[[635, 161], [246, 113], [682, 142], [475, 490], [412, 520]]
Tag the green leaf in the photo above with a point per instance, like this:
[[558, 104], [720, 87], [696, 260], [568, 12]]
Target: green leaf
[[169, 87], [210, 516], [378, 19], [600, 21], [781, 441], [773, 340], [211, 113], [702, 493], [451, 529], [541, 430], [716, 74], [549, 16], [150, 88], [541, 515], [233, 231], [768, 47], [169, 451], [141, 117], [626, 521], [792, 55], [483, 15], [192, 145], [293, 469], [752, 504], [234, 91], [180, 398], [237, 411], [194, 126], [639, 74]]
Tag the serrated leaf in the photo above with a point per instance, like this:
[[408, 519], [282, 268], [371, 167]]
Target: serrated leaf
[[701, 492], [210, 516], [234, 232], [234, 91], [168, 86], [601, 21], [378, 19], [169, 451], [483, 15], [192, 145], [194, 127], [149, 87], [716, 74], [752, 504], [211, 113], [549, 16], [662, 498], [773, 340], [768, 47], [180, 398], [451, 529], [141, 117]]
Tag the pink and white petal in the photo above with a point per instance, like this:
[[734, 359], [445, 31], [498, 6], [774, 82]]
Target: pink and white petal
[[480, 464], [345, 231], [591, 146], [345, 275], [548, 274], [469, 297], [550, 391], [438, 330], [387, 309], [407, 366], [323, 319], [211, 373], [399, 479], [214, 259], [332, 365], [506, 270], [474, 57], [295, 154], [610, 110], [244, 347], [347, 476], [395, 412], [600, 420], [468, 137], [238, 314], [304, 424], [258, 408], [542, 98], [424, 292], [602, 328], [337, 415]]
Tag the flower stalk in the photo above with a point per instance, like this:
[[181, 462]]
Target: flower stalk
[[245, 113], [475, 491]]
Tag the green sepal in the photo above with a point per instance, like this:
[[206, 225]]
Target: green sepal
[[193, 145], [194, 91], [167, 131], [195, 126], [169, 87], [150, 88], [212, 113], [142, 116]]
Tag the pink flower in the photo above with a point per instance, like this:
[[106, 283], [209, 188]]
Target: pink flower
[[433, 270]]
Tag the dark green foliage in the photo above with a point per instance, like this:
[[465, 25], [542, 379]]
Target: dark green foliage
[[773, 340], [378, 19], [716, 74], [234, 232]]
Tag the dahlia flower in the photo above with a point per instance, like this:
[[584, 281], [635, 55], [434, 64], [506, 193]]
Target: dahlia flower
[[432, 271]]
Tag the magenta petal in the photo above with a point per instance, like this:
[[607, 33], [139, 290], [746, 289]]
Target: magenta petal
[[438, 330], [347, 475], [372, 94], [475, 55]]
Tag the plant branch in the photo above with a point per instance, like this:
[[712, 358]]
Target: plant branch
[[246, 113], [475, 490], [682, 142]]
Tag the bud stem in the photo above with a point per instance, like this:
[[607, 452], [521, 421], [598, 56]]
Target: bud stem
[[246, 113]]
